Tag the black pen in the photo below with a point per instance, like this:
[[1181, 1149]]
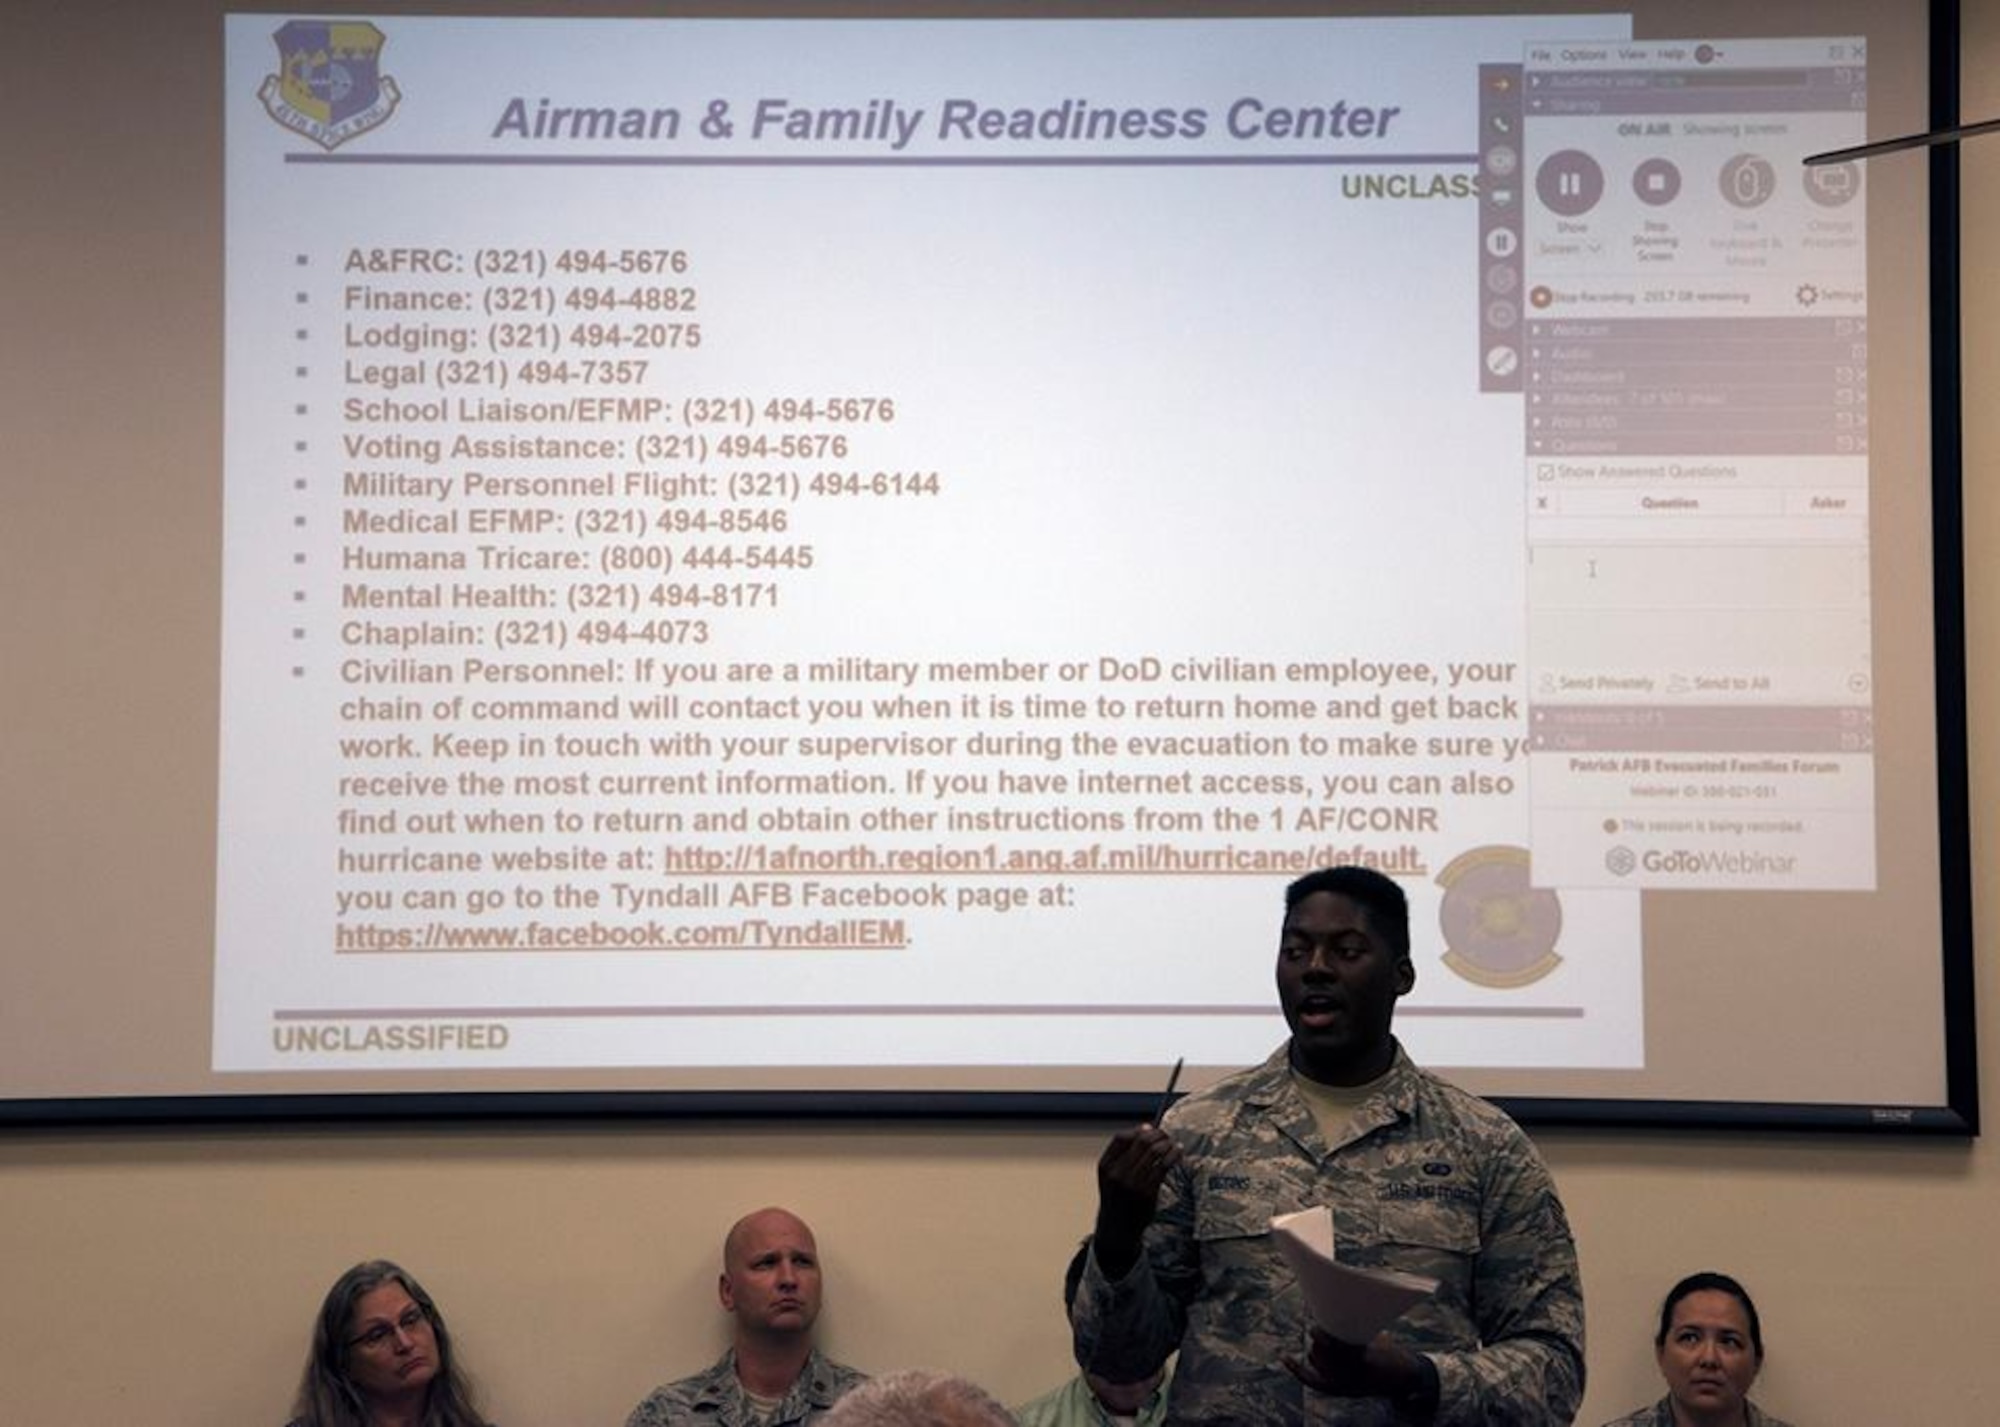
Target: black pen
[[1167, 1095]]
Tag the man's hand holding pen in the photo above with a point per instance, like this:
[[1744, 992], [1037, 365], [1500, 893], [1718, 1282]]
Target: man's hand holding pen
[[1129, 1175]]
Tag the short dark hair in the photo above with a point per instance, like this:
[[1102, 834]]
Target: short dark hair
[[1709, 1281], [1388, 910]]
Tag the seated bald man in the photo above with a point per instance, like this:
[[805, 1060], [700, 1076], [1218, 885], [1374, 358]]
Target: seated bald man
[[772, 1375]]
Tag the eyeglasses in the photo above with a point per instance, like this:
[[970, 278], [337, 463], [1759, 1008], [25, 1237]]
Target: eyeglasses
[[379, 1336]]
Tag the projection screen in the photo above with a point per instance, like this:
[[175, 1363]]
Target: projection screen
[[737, 563]]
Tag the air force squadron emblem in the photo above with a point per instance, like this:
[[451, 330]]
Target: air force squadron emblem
[[329, 85], [1500, 931]]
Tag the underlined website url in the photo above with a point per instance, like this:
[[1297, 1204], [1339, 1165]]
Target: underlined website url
[[831, 934]]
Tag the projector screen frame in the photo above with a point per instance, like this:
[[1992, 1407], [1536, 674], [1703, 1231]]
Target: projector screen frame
[[1956, 1115]]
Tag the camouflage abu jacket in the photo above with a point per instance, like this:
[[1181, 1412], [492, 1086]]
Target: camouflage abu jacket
[[716, 1399], [1430, 1180], [1661, 1414]]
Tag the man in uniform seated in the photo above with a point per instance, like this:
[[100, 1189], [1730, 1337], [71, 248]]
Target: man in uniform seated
[[772, 1375]]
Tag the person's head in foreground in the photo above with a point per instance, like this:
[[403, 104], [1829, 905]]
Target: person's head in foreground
[[1710, 1346], [918, 1397], [381, 1356]]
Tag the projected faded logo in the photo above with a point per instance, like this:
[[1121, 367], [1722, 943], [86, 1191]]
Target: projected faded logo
[[329, 85], [1498, 930]]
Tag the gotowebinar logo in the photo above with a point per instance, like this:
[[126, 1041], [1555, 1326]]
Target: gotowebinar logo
[[1622, 863], [329, 85]]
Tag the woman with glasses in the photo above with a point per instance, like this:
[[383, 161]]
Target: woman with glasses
[[381, 1357]]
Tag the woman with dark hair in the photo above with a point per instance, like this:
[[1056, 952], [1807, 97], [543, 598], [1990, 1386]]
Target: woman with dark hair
[[381, 1357], [1709, 1347]]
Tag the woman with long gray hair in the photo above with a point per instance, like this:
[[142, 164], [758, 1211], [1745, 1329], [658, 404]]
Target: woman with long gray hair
[[381, 1357]]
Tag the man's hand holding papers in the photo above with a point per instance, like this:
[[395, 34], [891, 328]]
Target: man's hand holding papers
[[1351, 1355]]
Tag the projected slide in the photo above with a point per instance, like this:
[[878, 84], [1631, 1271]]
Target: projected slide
[[795, 544]]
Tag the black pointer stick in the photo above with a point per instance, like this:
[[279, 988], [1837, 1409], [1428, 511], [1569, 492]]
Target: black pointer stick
[[1167, 1095], [1907, 141]]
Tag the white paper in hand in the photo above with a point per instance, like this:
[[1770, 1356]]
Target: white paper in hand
[[1351, 1304]]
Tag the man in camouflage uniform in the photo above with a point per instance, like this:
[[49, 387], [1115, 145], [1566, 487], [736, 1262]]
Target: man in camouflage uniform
[[1420, 1177], [772, 1375]]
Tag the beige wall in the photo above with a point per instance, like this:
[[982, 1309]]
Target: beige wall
[[169, 1278], [166, 1277]]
